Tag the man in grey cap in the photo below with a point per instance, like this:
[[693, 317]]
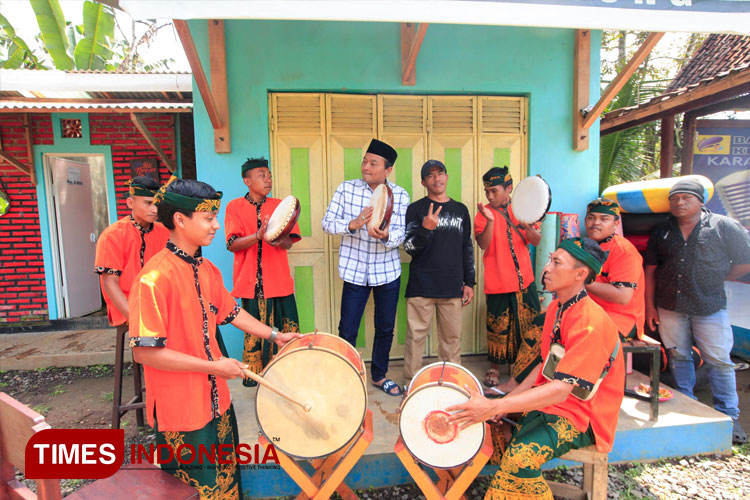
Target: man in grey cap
[[687, 261], [441, 274]]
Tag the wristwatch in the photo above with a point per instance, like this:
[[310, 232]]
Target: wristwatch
[[274, 334]]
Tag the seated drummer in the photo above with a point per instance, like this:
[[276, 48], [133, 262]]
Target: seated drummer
[[175, 304], [619, 288], [555, 418], [514, 320], [261, 277]]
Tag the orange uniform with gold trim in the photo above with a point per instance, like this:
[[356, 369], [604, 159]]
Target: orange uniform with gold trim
[[589, 336], [507, 257], [123, 249], [624, 268], [241, 219], [167, 311]]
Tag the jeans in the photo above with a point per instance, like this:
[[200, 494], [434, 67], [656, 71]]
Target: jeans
[[353, 302], [712, 335]]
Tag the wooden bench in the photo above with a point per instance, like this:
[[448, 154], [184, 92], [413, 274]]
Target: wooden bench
[[595, 473], [18, 423]]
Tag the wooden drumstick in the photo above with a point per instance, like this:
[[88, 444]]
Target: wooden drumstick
[[268, 385]]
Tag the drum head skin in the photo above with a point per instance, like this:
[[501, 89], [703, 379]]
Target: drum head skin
[[326, 381], [382, 207], [427, 434], [531, 199], [283, 219]]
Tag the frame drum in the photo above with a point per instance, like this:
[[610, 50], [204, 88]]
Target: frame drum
[[283, 219], [381, 202], [422, 420], [328, 373], [531, 199]]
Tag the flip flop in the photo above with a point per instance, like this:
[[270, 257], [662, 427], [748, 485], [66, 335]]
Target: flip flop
[[387, 385], [490, 375]]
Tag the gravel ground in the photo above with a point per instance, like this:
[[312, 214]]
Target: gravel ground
[[705, 477]]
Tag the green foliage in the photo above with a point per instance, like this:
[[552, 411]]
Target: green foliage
[[41, 409], [108, 396], [14, 51], [52, 24], [94, 50], [625, 155], [92, 45], [58, 390]]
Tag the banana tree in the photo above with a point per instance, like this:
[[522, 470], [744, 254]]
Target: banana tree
[[14, 51], [93, 51]]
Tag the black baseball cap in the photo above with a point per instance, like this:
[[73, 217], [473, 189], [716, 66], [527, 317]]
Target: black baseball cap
[[430, 164]]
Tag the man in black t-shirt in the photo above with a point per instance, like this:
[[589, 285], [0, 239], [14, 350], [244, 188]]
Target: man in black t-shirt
[[441, 274]]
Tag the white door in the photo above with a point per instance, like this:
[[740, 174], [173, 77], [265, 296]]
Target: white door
[[76, 236]]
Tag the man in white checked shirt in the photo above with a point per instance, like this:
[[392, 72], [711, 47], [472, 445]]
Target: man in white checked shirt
[[369, 259]]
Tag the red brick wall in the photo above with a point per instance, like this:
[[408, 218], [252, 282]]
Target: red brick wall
[[23, 295], [22, 286], [119, 132]]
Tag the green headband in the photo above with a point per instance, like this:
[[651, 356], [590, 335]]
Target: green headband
[[603, 206], [574, 246], [136, 189], [186, 202]]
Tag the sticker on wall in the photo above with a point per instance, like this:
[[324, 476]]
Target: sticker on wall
[[4, 203], [74, 176], [4, 199]]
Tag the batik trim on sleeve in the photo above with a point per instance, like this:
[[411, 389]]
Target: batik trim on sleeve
[[213, 309], [624, 284], [231, 239], [573, 380], [107, 270], [148, 341], [231, 315]]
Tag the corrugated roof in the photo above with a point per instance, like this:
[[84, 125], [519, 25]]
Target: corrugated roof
[[675, 93], [52, 105], [718, 54]]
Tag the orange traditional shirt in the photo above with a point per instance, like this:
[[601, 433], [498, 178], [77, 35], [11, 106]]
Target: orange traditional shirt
[[123, 248], [261, 268], [176, 302], [589, 337], [507, 263], [624, 268]]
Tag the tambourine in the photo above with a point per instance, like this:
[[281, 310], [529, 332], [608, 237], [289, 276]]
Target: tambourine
[[531, 200], [382, 207], [283, 219]]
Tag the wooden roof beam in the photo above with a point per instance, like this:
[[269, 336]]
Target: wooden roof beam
[[136, 119], [701, 96], [411, 42], [218, 60], [186, 38], [621, 79], [8, 158], [581, 84], [29, 146]]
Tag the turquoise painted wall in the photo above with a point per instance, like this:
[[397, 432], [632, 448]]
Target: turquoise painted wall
[[265, 56]]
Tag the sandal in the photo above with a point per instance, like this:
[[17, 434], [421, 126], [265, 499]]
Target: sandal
[[387, 385], [739, 436], [491, 377]]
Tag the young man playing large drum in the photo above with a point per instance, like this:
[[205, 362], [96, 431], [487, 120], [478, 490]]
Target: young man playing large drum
[[368, 256], [514, 321], [571, 401], [261, 277], [441, 274], [176, 302], [619, 288]]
